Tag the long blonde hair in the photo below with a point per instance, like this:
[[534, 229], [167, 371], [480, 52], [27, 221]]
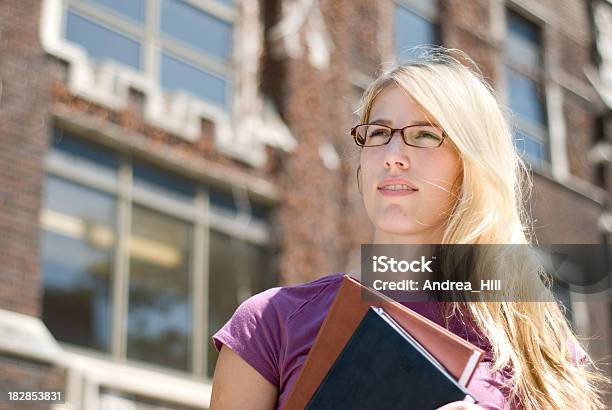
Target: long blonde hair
[[533, 339]]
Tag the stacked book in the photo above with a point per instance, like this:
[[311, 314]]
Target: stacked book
[[372, 352]]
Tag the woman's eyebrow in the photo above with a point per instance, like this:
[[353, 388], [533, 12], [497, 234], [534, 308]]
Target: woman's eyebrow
[[425, 124], [381, 121], [418, 123]]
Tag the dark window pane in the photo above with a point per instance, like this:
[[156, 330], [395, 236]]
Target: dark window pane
[[77, 240], [82, 152], [159, 307], [150, 177], [196, 28], [134, 9], [100, 42], [519, 26], [223, 200], [525, 97], [523, 46], [179, 75], [260, 211], [411, 30], [238, 270]]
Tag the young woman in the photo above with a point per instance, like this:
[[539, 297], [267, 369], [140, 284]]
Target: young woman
[[437, 166]]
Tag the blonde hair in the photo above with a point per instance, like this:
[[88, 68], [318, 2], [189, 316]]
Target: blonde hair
[[533, 339]]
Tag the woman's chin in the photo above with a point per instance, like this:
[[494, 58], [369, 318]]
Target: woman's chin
[[397, 226]]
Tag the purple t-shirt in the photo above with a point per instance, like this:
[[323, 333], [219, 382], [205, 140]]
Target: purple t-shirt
[[274, 330]]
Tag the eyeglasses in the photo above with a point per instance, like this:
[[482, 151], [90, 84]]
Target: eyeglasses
[[375, 135]]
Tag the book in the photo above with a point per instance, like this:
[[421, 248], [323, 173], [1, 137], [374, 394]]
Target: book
[[459, 357], [383, 367]]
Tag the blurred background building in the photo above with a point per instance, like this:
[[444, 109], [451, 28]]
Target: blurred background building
[[163, 160]]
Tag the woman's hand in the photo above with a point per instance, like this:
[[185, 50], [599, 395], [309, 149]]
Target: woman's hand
[[460, 405]]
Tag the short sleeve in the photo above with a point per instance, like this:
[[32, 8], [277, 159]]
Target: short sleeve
[[489, 389], [254, 332]]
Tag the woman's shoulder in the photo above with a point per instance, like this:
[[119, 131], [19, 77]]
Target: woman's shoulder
[[259, 327], [286, 301], [272, 308]]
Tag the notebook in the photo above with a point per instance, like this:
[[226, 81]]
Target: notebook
[[458, 357], [383, 367]]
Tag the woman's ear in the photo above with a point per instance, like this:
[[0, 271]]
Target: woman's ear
[[358, 179]]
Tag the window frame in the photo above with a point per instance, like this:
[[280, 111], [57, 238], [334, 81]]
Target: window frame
[[154, 43], [539, 133], [202, 217]]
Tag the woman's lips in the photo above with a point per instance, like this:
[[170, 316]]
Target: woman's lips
[[395, 186], [399, 192]]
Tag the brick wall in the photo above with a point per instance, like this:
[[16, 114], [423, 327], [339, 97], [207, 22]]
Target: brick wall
[[581, 135], [466, 26], [17, 374], [563, 216], [24, 109]]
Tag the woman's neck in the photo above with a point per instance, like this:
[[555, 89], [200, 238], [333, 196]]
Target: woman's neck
[[423, 237]]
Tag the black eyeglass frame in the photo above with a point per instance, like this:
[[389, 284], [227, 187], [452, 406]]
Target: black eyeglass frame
[[401, 131]]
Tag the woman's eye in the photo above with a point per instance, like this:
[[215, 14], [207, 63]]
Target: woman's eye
[[428, 135], [378, 133]]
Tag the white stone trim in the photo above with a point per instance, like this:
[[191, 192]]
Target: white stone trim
[[426, 9], [581, 89], [602, 80], [109, 83], [604, 223], [603, 23], [533, 11], [557, 131], [600, 153], [302, 26], [28, 337], [603, 101], [87, 374], [575, 184], [329, 155]]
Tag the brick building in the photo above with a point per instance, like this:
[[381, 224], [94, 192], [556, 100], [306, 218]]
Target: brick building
[[145, 143]]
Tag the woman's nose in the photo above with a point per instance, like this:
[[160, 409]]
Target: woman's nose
[[395, 154]]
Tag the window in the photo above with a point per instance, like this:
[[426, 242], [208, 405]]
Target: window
[[124, 256], [523, 74], [159, 319], [102, 43], [77, 258], [414, 26], [180, 44]]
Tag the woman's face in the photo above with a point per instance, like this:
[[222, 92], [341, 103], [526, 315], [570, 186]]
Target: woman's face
[[407, 216]]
